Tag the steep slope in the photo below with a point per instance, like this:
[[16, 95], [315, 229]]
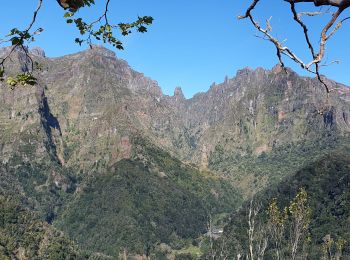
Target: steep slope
[[92, 104], [95, 132], [85, 135], [138, 203], [326, 182], [132, 209], [258, 126], [23, 234]]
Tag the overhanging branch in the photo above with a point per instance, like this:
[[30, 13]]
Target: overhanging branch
[[325, 35]]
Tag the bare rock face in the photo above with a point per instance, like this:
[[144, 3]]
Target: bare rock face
[[178, 94], [38, 52]]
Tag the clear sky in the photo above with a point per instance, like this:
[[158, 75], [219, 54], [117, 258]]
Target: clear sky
[[192, 43]]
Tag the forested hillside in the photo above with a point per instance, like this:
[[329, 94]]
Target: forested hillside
[[326, 182]]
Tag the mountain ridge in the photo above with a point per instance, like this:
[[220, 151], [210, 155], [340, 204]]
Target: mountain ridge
[[248, 114], [92, 118]]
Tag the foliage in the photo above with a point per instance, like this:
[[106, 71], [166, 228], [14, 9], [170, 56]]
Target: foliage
[[21, 79], [218, 194], [45, 186], [322, 202], [106, 31], [22, 234], [272, 167], [135, 204], [187, 256], [133, 207]]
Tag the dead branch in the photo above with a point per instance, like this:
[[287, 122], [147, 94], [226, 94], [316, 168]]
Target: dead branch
[[257, 238], [325, 35], [279, 46]]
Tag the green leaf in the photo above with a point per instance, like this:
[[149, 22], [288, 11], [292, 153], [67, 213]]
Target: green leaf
[[142, 29], [108, 28], [11, 81], [68, 14], [16, 41], [13, 32]]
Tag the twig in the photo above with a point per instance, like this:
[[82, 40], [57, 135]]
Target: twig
[[324, 37], [20, 43]]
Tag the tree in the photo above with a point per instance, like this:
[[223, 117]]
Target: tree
[[276, 223], [279, 233], [100, 29], [327, 32], [257, 233], [299, 214]]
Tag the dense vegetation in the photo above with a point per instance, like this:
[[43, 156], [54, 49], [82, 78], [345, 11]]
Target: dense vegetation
[[136, 205], [326, 182], [217, 193], [269, 168], [154, 201], [43, 187], [24, 235], [132, 208]]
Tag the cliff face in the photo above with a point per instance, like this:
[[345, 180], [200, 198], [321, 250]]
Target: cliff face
[[262, 125], [95, 137], [259, 110], [89, 107]]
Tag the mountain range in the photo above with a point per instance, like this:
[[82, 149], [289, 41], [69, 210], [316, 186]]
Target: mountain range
[[107, 163]]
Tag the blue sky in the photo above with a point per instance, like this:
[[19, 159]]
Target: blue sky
[[192, 43]]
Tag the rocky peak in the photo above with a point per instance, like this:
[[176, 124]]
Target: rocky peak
[[4, 51], [38, 52], [95, 106], [178, 94], [277, 69], [18, 62], [244, 72], [99, 49]]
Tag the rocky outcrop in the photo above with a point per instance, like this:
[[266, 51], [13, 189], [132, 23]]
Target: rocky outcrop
[[50, 125], [38, 52]]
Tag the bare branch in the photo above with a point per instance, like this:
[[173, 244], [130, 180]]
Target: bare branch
[[279, 47], [305, 29], [249, 10], [336, 3], [296, 17], [310, 14], [324, 37]]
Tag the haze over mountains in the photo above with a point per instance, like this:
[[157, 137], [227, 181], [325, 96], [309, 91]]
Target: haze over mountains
[[97, 150]]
